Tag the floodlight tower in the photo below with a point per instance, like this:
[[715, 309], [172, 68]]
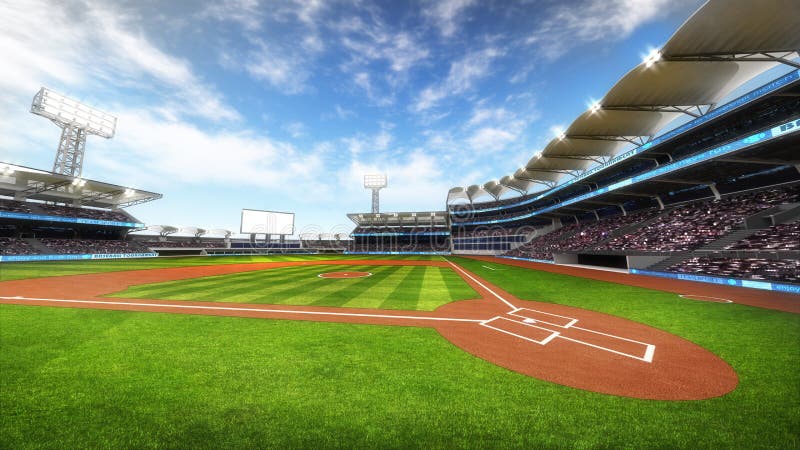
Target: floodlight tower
[[76, 121], [376, 182]]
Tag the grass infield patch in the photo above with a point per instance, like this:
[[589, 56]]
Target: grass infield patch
[[389, 287]]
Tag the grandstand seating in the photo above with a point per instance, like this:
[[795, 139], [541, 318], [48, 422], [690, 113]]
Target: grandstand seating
[[63, 211], [181, 244], [14, 246], [14, 206], [593, 234], [683, 228], [492, 232], [783, 270], [778, 237], [91, 246], [398, 229], [541, 247], [409, 247], [693, 225]]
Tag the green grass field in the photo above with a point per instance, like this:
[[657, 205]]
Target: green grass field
[[389, 287], [114, 379]]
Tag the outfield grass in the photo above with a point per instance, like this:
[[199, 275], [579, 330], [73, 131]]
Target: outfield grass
[[22, 270], [389, 287], [76, 378]]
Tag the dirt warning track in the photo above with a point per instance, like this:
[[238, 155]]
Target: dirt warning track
[[570, 346]]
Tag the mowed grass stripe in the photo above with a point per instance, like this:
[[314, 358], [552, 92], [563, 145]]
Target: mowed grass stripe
[[457, 288], [377, 293], [304, 292], [195, 288], [257, 288], [406, 294], [296, 285], [344, 290], [443, 286], [390, 287]]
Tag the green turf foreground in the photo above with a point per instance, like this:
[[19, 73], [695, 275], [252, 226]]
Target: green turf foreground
[[389, 287], [88, 378]]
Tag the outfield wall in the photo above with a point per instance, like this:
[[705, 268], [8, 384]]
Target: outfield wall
[[21, 258], [763, 285]]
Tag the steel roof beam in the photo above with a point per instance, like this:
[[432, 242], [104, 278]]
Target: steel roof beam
[[775, 56]]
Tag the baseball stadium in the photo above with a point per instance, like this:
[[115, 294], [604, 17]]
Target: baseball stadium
[[636, 284]]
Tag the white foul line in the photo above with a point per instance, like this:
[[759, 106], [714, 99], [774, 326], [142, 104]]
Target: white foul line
[[553, 334], [650, 349], [481, 284], [224, 308]]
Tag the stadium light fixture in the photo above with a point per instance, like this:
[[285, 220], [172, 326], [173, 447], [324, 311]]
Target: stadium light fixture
[[375, 182], [653, 57], [76, 121], [594, 106], [558, 132]]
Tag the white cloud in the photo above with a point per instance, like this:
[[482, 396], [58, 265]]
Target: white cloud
[[364, 81], [296, 129], [481, 115], [284, 72], [372, 144], [164, 153], [97, 49], [462, 76], [375, 41], [343, 113], [570, 25], [244, 12], [446, 14], [491, 139]]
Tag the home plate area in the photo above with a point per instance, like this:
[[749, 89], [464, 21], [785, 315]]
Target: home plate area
[[540, 328]]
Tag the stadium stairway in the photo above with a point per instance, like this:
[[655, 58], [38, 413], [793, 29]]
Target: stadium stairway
[[629, 228], [663, 265], [38, 246]]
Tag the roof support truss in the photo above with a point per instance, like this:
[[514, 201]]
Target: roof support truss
[[770, 162], [778, 57], [597, 159], [101, 195], [691, 110], [44, 187], [635, 140]]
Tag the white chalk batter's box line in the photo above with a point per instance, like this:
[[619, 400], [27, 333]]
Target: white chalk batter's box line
[[572, 321], [647, 357]]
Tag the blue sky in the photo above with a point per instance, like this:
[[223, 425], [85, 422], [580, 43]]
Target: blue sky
[[284, 105]]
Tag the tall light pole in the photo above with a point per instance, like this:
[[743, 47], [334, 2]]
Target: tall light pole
[[375, 182], [76, 121]]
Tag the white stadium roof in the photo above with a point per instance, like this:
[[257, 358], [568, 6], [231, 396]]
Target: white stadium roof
[[25, 183], [689, 75]]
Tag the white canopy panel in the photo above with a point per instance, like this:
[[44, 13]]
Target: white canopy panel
[[690, 75], [739, 26]]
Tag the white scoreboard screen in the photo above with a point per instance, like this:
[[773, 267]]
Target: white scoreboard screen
[[266, 222]]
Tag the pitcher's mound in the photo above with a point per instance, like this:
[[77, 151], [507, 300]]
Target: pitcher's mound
[[344, 275]]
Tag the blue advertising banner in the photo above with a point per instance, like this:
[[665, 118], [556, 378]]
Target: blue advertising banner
[[20, 258], [110, 223], [764, 285]]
